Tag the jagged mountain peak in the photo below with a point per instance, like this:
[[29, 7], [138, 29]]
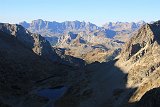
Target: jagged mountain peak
[[19, 32], [14, 29], [145, 37], [147, 33], [32, 41], [11, 27]]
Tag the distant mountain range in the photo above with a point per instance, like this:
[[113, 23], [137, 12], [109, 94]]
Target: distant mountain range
[[124, 26], [76, 26], [55, 29], [47, 28]]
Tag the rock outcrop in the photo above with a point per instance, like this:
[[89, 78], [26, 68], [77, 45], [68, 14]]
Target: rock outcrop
[[34, 42]]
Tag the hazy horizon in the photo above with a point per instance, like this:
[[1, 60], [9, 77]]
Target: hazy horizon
[[97, 12]]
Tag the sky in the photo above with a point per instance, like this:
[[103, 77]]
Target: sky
[[95, 11]]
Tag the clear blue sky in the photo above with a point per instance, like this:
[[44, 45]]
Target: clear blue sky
[[95, 11]]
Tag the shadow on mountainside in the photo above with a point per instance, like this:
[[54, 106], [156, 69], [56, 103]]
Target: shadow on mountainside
[[150, 98], [156, 31], [98, 85], [106, 87]]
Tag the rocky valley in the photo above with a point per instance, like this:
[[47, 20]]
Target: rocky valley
[[85, 40], [78, 64]]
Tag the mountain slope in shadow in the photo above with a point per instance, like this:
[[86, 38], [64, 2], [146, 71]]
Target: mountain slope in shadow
[[20, 68], [106, 87]]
